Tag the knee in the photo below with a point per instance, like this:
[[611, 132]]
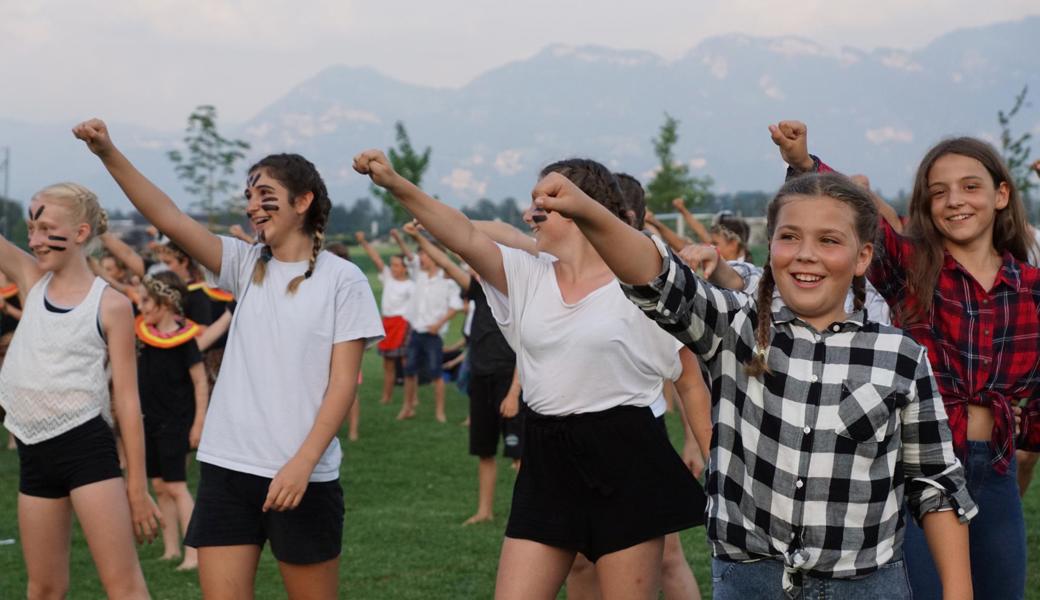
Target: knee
[[50, 589], [1027, 460], [160, 487], [673, 558]]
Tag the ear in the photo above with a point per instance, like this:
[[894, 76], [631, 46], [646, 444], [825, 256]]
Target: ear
[[303, 203], [82, 233], [866, 254], [1003, 195]]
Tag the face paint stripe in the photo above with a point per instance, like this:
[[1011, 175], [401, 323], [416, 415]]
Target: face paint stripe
[[269, 207], [57, 248], [57, 238]]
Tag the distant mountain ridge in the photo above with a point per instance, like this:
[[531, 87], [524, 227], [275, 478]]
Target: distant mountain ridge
[[873, 112]]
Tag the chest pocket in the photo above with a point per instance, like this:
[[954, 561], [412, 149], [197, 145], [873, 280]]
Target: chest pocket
[[868, 413]]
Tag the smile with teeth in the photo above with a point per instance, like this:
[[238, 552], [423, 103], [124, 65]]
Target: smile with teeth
[[958, 217], [807, 277]]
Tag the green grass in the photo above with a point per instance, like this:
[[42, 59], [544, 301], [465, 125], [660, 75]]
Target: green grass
[[408, 487]]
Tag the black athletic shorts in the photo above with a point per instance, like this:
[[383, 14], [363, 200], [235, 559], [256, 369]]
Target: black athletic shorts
[[228, 513], [85, 454], [601, 482], [486, 423], [166, 452]]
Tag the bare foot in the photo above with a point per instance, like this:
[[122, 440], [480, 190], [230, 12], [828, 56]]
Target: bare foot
[[441, 418], [405, 414], [353, 436], [170, 556], [478, 518], [465, 422], [385, 400], [188, 565]]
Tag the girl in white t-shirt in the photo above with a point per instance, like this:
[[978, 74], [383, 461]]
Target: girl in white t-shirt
[[75, 334], [269, 452], [599, 475], [397, 293]]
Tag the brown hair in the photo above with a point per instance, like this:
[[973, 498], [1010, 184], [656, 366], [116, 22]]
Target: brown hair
[[831, 185], [1010, 228], [167, 289], [594, 179], [299, 176], [180, 255]]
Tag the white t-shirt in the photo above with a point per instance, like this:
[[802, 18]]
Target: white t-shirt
[[596, 354], [396, 294], [276, 363], [431, 299]]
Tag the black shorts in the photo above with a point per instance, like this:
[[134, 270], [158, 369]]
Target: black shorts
[[486, 423], [166, 452], [228, 513], [601, 482], [83, 455]]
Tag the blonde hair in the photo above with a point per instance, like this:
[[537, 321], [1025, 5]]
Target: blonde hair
[[82, 202]]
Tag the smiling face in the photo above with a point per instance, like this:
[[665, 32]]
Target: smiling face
[[814, 255], [269, 209], [398, 270], [547, 228], [176, 264], [53, 235], [964, 201]]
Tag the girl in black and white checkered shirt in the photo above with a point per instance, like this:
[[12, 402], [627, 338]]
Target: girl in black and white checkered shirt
[[823, 420]]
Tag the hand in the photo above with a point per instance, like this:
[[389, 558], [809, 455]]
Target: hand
[[375, 164], [679, 205], [195, 435], [360, 237], [510, 405], [394, 233], [650, 217], [556, 193], [1018, 420], [691, 455], [153, 231], [792, 139], [411, 229], [702, 258], [862, 181], [147, 518], [237, 231], [95, 133], [288, 486]]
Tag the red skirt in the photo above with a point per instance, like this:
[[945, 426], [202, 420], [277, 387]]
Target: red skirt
[[396, 335]]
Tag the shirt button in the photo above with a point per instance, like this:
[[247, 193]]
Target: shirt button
[[835, 328], [807, 429], [791, 537], [814, 378], [960, 511], [798, 484], [986, 332]]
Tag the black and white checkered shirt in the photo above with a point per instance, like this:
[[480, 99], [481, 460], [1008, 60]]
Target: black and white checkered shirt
[[810, 463]]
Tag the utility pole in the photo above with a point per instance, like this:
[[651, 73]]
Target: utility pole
[[7, 178]]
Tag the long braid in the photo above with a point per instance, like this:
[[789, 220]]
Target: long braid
[[260, 268], [758, 364], [319, 241], [859, 292]]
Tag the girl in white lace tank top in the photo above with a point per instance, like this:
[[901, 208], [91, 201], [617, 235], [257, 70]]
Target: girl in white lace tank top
[[74, 333]]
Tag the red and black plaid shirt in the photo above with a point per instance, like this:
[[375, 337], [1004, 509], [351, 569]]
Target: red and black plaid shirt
[[984, 346]]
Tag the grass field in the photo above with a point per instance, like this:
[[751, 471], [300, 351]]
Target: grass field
[[408, 487]]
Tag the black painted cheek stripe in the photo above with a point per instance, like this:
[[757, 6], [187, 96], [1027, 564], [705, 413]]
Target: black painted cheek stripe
[[269, 207], [539, 218]]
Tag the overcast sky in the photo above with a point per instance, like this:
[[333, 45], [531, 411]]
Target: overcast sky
[[151, 62]]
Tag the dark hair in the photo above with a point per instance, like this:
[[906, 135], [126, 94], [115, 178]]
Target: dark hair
[[729, 224], [178, 253], [339, 249], [1010, 228], [831, 185], [300, 177], [634, 198], [594, 179], [161, 284]]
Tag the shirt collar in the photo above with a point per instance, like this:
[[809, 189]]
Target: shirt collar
[[783, 314], [1009, 274]]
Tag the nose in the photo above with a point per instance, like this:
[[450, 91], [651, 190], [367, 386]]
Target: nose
[[37, 240], [954, 199], [806, 251]]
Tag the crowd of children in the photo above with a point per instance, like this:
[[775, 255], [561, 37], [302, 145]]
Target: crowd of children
[[863, 403]]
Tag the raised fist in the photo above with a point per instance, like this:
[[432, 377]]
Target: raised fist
[[360, 237], [792, 139], [95, 133], [375, 164]]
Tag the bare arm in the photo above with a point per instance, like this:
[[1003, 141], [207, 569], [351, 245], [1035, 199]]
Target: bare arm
[[154, 204], [19, 266], [669, 236], [693, 222], [214, 331], [509, 236], [123, 253], [201, 385], [117, 320], [370, 251], [396, 235], [696, 400], [9, 310], [706, 259], [443, 260], [445, 223], [511, 403], [289, 484], [948, 540]]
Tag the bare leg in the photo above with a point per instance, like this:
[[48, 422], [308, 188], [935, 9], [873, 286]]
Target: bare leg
[[389, 376], [311, 582], [676, 577], [168, 508], [438, 397], [1026, 466], [354, 417], [531, 571], [632, 573], [411, 397], [227, 572], [45, 525], [582, 582], [103, 512], [178, 491], [487, 472]]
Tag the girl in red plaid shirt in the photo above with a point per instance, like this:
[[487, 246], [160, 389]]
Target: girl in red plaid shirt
[[957, 278]]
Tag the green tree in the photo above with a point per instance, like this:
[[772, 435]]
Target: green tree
[[209, 162], [409, 164], [12, 222], [673, 179], [1016, 149]]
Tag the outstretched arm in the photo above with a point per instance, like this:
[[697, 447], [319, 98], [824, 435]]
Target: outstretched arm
[[19, 266], [153, 203], [674, 241], [443, 260], [508, 236], [123, 253], [445, 223], [370, 251], [693, 222], [396, 235]]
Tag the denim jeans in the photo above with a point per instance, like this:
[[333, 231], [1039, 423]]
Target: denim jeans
[[761, 580], [997, 535], [424, 356]]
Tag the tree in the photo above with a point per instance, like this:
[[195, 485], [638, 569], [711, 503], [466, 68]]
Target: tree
[[673, 179], [408, 164], [209, 163], [1015, 149], [12, 222]]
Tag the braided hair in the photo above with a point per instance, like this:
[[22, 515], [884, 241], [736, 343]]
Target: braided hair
[[595, 180], [300, 177], [82, 202], [831, 185], [167, 289]]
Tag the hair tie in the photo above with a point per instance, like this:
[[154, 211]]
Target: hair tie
[[265, 254]]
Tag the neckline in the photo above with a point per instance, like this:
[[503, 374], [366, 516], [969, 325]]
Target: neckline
[[583, 299], [49, 304]]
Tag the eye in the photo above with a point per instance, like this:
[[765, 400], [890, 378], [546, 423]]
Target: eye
[[786, 236], [971, 187], [829, 240]]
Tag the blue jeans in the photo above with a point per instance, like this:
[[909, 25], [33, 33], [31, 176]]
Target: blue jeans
[[424, 357], [997, 535], [761, 580]]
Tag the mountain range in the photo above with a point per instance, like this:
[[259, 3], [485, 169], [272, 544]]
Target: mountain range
[[873, 112]]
